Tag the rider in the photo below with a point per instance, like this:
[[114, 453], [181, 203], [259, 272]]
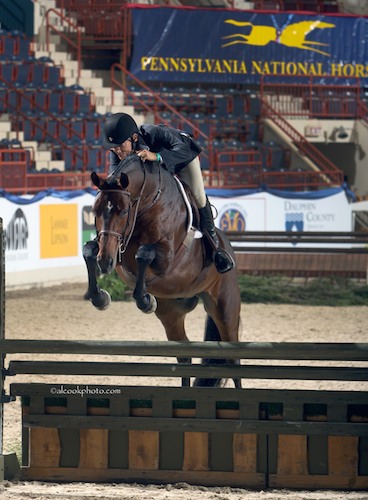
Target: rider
[[174, 150]]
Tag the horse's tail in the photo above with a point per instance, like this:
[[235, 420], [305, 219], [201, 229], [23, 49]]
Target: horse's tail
[[211, 333]]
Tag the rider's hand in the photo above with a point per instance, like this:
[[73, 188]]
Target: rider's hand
[[144, 155]]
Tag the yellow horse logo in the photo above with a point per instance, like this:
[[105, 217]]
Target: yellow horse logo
[[293, 35]]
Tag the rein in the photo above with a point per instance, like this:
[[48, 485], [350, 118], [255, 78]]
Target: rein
[[124, 238]]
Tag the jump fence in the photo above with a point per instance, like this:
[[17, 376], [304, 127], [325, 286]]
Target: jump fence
[[272, 433], [251, 437]]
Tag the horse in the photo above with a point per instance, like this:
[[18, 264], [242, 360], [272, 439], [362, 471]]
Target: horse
[[145, 223]]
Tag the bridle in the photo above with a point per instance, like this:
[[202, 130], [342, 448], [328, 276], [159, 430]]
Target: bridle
[[132, 213]]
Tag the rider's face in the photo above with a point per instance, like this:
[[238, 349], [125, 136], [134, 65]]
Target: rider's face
[[124, 149]]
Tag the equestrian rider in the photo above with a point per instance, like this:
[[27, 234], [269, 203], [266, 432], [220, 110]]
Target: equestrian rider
[[178, 153]]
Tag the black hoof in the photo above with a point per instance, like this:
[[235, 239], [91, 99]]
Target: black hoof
[[102, 300], [148, 305]]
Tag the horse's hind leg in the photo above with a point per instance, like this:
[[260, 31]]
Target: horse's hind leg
[[224, 313], [171, 313]]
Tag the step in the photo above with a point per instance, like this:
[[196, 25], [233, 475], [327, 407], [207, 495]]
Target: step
[[42, 156], [60, 165], [106, 92], [15, 135], [102, 109], [86, 83], [106, 100], [49, 165], [39, 165], [5, 127], [31, 145], [43, 47]]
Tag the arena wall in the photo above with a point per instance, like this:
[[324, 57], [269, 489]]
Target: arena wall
[[45, 233]]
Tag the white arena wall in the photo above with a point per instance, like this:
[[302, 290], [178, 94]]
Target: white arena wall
[[44, 234]]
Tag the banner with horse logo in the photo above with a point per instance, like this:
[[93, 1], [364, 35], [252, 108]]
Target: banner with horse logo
[[199, 45]]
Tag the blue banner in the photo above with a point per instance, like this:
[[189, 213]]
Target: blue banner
[[199, 45]]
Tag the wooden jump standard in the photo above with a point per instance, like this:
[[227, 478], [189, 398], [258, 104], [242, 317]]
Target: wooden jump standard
[[279, 438]]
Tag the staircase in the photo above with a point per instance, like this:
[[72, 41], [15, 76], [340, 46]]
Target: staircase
[[88, 81]]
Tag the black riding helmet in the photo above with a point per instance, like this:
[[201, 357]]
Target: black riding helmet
[[118, 128]]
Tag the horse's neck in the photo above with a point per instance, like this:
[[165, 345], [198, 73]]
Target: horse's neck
[[167, 192]]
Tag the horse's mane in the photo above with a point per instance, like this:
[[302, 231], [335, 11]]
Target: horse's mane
[[127, 164]]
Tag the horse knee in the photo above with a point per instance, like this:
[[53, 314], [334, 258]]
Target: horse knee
[[90, 249], [145, 253]]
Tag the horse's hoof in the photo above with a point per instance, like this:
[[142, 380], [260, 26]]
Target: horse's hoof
[[102, 300], [148, 305], [152, 304]]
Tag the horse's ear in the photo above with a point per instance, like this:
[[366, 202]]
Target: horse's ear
[[96, 179], [124, 180]]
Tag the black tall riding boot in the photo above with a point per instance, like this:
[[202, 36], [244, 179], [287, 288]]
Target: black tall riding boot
[[223, 261]]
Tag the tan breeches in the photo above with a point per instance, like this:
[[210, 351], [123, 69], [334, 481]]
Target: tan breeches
[[192, 176]]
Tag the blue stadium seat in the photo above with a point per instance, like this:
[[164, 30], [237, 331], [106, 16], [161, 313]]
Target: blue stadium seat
[[91, 131], [54, 102], [77, 129], [38, 78], [83, 103], [7, 72], [27, 100], [7, 48], [68, 102], [32, 132], [40, 103]]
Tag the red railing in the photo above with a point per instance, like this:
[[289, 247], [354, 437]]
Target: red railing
[[71, 27], [326, 167], [13, 169], [15, 178], [310, 99], [101, 22], [232, 172]]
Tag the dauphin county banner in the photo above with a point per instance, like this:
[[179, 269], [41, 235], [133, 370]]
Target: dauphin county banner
[[199, 45]]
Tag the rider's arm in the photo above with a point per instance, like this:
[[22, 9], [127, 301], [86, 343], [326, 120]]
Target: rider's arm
[[114, 161], [175, 149]]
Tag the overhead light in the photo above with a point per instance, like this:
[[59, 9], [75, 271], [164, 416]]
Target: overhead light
[[338, 133], [341, 133]]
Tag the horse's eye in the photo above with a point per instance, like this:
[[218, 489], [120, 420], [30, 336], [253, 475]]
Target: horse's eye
[[123, 212]]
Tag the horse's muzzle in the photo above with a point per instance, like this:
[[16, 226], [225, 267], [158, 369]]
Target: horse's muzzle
[[106, 264]]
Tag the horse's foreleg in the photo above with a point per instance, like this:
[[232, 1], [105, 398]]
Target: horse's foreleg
[[100, 298], [145, 301]]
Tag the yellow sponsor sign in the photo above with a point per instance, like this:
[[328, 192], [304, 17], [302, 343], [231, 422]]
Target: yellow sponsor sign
[[58, 231]]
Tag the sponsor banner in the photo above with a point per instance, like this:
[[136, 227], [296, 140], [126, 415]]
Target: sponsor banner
[[51, 231], [267, 212], [240, 46], [46, 233]]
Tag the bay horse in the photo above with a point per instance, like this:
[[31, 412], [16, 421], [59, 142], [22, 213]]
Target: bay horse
[[145, 230]]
